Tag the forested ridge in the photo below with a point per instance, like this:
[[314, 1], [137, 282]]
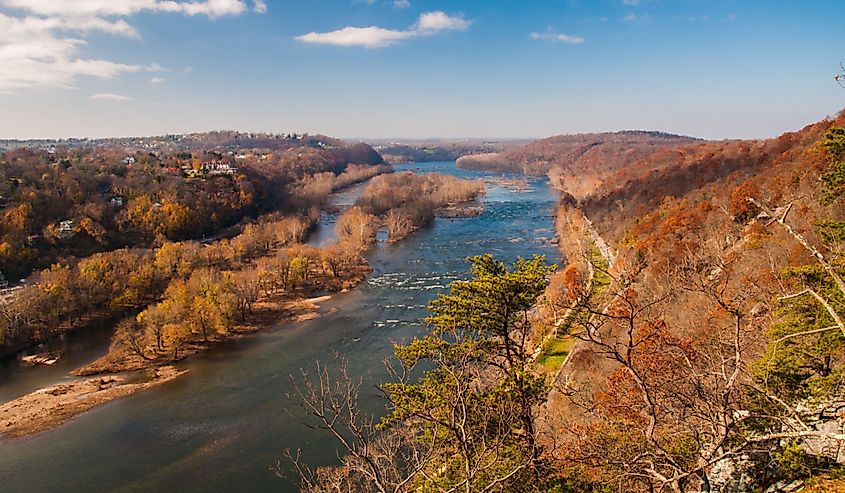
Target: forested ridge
[[61, 201], [438, 150], [713, 361], [584, 160]]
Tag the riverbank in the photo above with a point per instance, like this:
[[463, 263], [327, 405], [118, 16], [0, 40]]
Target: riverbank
[[116, 376], [53, 406]]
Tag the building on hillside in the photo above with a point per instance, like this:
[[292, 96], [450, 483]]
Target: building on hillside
[[191, 172], [66, 229], [219, 168]]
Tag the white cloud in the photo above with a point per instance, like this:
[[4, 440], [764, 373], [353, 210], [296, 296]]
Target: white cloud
[[123, 8], [401, 4], [33, 56], [259, 6], [107, 96], [631, 18], [559, 38], [157, 80], [86, 24], [40, 47], [370, 37], [431, 22], [428, 24]]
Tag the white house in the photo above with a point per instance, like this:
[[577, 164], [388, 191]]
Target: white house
[[66, 229], [219, 168]]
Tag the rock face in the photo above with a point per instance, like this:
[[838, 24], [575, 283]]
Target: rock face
[[737, 474], [753, 472], [47, 359], [829, 418], [786, 487]]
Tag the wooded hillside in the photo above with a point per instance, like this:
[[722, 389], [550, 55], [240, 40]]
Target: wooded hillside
[[60, 201], [713, 357]]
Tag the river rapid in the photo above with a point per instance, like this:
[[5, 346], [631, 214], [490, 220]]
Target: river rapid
[[222, 425]]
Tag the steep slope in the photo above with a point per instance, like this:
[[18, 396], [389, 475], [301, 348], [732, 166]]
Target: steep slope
[[579, 163], [696, 295]]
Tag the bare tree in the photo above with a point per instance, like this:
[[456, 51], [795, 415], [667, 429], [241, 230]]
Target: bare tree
[[371, 460], [399, 456], [677, 400]]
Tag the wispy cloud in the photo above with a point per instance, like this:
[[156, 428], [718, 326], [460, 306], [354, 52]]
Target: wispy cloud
[[123, 8], [259, 6], [429, 23], [33, 55], [370, 37], [107, 96], [157, 80], [40, 46], [558, 38], [399, 4]]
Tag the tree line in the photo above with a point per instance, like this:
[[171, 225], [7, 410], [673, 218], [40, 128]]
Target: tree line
[[72, 202], [407, 202], [69, 296]]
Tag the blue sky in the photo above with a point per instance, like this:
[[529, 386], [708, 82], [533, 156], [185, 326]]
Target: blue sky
[[416, 68]]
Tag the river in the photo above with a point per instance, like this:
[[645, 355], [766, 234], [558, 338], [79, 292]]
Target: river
[[222, 425]]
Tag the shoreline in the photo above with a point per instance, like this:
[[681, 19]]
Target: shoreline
[[50, 407], [108, 379]]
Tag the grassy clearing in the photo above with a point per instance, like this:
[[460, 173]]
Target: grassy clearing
[[555, 352], [601, 279]]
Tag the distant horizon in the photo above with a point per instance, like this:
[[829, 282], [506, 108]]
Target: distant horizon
[[409, 139]]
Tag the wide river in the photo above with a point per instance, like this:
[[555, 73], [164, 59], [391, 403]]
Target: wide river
[[222, 425]]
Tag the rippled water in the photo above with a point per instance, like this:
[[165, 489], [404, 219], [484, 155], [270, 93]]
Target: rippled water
[[222, 425]]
